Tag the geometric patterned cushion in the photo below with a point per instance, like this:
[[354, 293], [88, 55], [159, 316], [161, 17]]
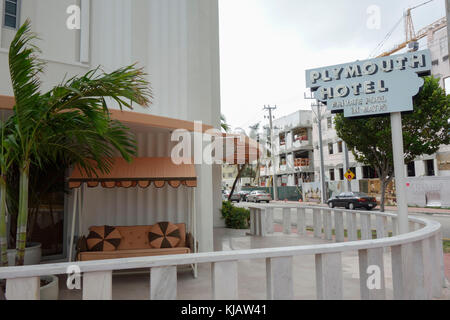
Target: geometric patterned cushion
[[164, 235], [104, 238]]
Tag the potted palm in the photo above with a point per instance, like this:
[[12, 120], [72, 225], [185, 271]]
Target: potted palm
[[69, 125]]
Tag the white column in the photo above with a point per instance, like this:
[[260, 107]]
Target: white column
[[97, 285], [23, 289], [163, 283], [262, 222], [399, 162], [269, 219], [327, 225], [317, 222], [438, 276], [366, 228], [252, 222], [329, 276], [225, 280], [280, 278], [339, 226], [287, 227], [301, 221], [371, 274], [422, 270], [394, 226], [402, 272], [381, 227], [352, 233]]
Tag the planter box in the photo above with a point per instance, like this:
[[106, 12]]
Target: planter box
[[33, 255], [50, 291]]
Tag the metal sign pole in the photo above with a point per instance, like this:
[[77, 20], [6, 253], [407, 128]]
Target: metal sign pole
[[399, 167], [348, 183]]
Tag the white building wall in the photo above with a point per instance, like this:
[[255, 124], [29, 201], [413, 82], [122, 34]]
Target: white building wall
[[177, 42]]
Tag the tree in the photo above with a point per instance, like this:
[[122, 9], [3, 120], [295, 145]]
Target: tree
[[223, 123], [70, 123], [424, 131], [6, 160], [254, 134]]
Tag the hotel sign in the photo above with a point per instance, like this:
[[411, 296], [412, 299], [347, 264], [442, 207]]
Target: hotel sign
[[371, 87]]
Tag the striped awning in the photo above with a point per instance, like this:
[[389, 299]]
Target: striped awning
[[141, 172], [239, 149]]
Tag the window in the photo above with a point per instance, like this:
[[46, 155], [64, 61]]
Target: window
[[11, 14], [369, 173], [411, 169], [435, 62], [341, 174], [340, 147], [330, 123], [332, 177], [330, 148], [429, 168]]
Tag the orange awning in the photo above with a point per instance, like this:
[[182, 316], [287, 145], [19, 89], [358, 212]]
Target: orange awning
[[141, 172], [240, 149]]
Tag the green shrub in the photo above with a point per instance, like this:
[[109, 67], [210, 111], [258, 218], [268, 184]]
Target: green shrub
[[235, 218]]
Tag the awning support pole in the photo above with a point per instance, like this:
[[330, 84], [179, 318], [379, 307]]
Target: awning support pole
[[72, 232], [80, 209], [194, 227]]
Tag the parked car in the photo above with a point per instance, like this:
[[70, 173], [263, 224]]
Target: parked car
[[353, 200], [236, 197], [259, 196], [244, 195]]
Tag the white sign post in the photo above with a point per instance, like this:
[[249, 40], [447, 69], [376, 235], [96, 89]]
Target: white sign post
[[376, 87]]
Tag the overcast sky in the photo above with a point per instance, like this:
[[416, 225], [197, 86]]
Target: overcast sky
[[266, 46]]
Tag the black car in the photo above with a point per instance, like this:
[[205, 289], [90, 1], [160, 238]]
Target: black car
[[353, 200]]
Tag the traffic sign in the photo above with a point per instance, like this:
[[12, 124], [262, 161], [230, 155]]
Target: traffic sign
[[350, 175]]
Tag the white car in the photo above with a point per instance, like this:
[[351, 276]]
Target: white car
[[259, 196]]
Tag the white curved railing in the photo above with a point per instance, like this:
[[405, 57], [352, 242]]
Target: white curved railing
[[417, 260]]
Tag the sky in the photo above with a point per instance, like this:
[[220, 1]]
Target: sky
[[266, 46]]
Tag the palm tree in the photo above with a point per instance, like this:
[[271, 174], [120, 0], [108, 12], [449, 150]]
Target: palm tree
[[70, 122], [6, 160], [254, 134], [223, 123]]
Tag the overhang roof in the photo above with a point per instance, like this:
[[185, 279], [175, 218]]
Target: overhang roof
[[245, 150]]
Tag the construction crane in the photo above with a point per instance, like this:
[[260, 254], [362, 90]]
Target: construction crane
[[411, 36]]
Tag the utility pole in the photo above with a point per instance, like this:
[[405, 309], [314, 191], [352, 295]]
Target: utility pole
[[322, 161], [274, 174]]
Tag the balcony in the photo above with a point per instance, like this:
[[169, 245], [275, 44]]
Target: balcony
[[301, 163]]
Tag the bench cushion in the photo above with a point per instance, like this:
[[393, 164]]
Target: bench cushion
[[120, 254], [136, 237]]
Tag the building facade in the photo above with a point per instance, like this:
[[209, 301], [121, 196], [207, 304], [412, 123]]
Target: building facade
[[177, 44], [293, 151]]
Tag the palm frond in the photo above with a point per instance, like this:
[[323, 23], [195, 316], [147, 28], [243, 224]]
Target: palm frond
[[25, 68]]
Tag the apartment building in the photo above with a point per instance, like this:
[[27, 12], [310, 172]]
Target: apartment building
[[293, 151]]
